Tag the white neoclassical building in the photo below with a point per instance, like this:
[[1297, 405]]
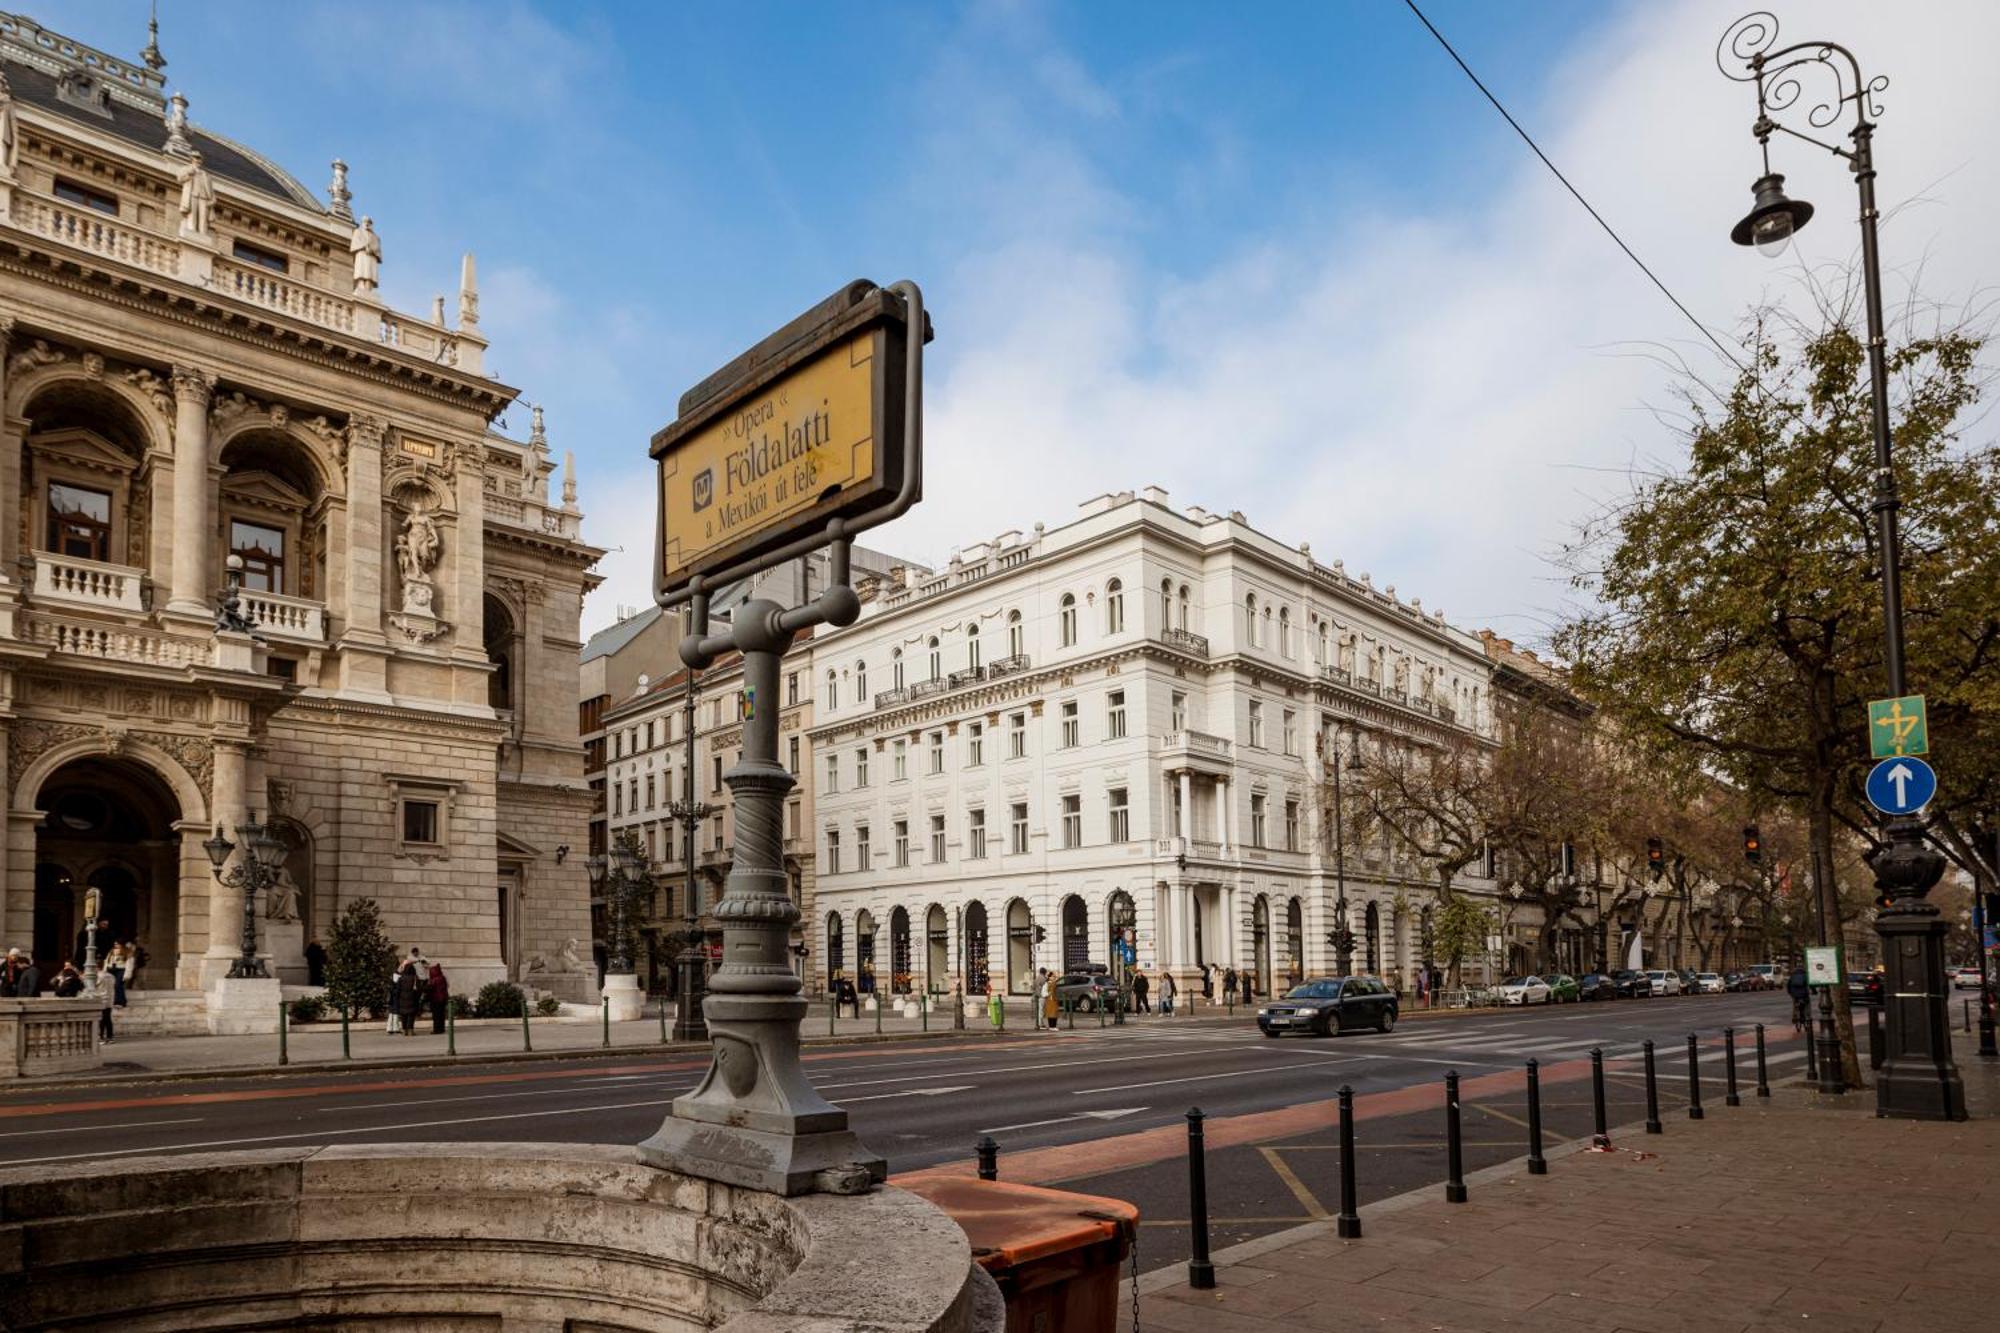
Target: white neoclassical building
[[1100, 743]]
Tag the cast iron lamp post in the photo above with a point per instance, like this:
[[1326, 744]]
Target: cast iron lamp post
[[1341, 937], [264, 856], [1919, 1079], [692, 960], [624, 872]]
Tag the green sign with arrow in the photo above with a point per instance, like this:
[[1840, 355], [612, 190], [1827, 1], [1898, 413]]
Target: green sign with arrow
[[1898, 727]]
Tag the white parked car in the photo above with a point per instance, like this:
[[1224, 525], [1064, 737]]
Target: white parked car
[[1965, 978], [1664, 982], [1710, 983], [1525, 990]]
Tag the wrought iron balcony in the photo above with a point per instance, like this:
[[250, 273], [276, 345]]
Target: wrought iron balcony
[[1008, 666], [1195, 645]]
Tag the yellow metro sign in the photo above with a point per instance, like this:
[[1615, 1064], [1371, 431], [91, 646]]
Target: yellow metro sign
[[806, 427]]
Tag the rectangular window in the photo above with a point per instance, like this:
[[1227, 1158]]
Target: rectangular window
[[715, 833], [833, 772], [1072, 820], [1017, 736], [247, 253], [715, 773], [84, 197], [976, 830], [617, 798], [1291, 732], [937, 838], [1177, 713], [833, 851], [1017, 827], [861, 848], [901, 752], [1121, 816], [1256, 819], [791, 689], [861, 767], [420, 822], [649, 735], [1114, 717], [975, 744], [652, 793], [792, 756], [79, 522], [262, 551], [902, 849], [1071, 731], [937, 752], [1256, 725], [1291, 826]]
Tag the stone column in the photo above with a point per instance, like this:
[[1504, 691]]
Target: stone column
[[362, 647], [225, 904], [12, 437], [1224, 816], [192, 389], [1187, 805], [469, 560]]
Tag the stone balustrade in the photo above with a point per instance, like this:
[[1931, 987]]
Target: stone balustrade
[[119, 643], [67, 581], [277, 616], [93, 232], [48, 1036], [1199, 742], [273, 291]]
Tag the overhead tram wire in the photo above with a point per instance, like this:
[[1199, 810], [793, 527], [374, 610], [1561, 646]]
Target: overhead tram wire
[[1527, 139]]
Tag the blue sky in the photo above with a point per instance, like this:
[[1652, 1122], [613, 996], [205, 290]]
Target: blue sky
[[1279, 258]]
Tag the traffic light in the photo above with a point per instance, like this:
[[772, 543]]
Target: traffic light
[[1753, 846], [1041, 933], [1656, 857]]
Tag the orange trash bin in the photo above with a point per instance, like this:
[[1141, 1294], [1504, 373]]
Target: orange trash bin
[[1058, 1258]]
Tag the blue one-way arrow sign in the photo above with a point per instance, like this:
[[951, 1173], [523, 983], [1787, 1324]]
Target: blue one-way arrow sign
[[1901, 786]]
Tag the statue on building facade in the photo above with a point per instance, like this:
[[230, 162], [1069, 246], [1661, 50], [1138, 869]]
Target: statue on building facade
[[417, 550], [281, 900], [340, 199], [10, 132], [178, 144], [197, 199], [366, 248]]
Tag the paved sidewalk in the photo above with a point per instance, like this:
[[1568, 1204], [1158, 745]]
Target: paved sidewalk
[[1804, 1212]]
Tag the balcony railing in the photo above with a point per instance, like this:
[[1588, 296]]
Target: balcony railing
[[969, 676], [1185, 640], [1199, 742], [1008, 666], [926, 689], [1338, 675], [260, 287], [118, 643], [891, 698], [277, 616], [92, 231], [88, 583]]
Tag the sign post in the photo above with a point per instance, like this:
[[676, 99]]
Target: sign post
[[810, 437]]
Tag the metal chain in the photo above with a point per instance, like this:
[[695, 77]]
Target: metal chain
[[1135, 1276]]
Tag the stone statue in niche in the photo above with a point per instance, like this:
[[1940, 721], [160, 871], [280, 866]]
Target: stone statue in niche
[[197, 199], [281, 900], [417, 550], [10, 132], [366, 247]]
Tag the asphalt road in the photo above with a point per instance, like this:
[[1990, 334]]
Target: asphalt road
[[1069, 1107]]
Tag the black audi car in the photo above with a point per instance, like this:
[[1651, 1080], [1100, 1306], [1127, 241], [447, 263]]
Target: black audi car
[[1598, 986], [1326, 1005], [1632, 985]]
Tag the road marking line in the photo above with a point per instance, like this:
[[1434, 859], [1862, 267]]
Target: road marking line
[[1510, 1119], [323, 1133], [907, 1092], [1383, 1147], [1313, 1206], [93, 1129], [475, 1097], [1064, 1120], [1203, 1078]]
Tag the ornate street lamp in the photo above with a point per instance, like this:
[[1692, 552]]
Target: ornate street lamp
[[1341, 937], [626, 870], [263, 857], [691, 963], [1919, 1079]]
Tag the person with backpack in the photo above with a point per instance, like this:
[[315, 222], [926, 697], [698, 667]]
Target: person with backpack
[[1168, 989], [440, 993]]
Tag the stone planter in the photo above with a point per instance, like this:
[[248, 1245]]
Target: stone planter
[[502, 1236], [48, 1036]]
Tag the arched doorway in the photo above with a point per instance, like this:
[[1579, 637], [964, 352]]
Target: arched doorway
[[1295, 941], [937, 938], [1020, 948], [1075, 934], [1123, 926], [836, 949], [1371, 931], [977, 968], [499, 636], [1260, 944], [108, 824], [899, 951], [864, 949]]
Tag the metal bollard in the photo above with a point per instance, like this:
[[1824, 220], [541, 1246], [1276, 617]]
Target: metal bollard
[[1965, 1007], [346, 1051], [877, 998], [924, 1009], [957, 1009], [1875, 1052], [1454, 1148], [284, 1031], [1832, 1077], [989, 1158], [1538, 1165], [605, 1005], [1812, 1056], [1653, 1125], [1072, 1013], [1348, 1223], [1729, 1097], [663, 1020], [832, 1011], [1763, 1071], [1694, 1078], [527, 1042], [450, 1029], [1201, 1273], [1600, 1137]]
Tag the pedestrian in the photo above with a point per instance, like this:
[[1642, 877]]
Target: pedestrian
[[116, 964], [850, 997], [409, 994], [1207, 983], [136, 965], [315, 962], [28, 978], [10, 971], [1139, 988], [440, 996], [389, 1003], [1248, 977], [1049, 1005], [1168, 989], [69, 982], [1797, 987], [1229, 985]]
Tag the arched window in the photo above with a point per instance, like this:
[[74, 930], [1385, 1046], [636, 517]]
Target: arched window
[[937, 659], [972, 646], [1166, 603], [832, 690], [860, 682], [1285, 631], [1250, 619], [896, 669], [1324, 660], [499, 628], [1068, 619], [1114, 607], [1184, 606], [1016, 641]]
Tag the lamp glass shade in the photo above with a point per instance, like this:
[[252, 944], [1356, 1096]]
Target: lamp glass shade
[[269, 849], [1772, 217], [218, 848]]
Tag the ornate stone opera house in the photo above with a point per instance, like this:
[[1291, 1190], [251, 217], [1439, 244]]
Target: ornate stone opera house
[[199, 377]]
